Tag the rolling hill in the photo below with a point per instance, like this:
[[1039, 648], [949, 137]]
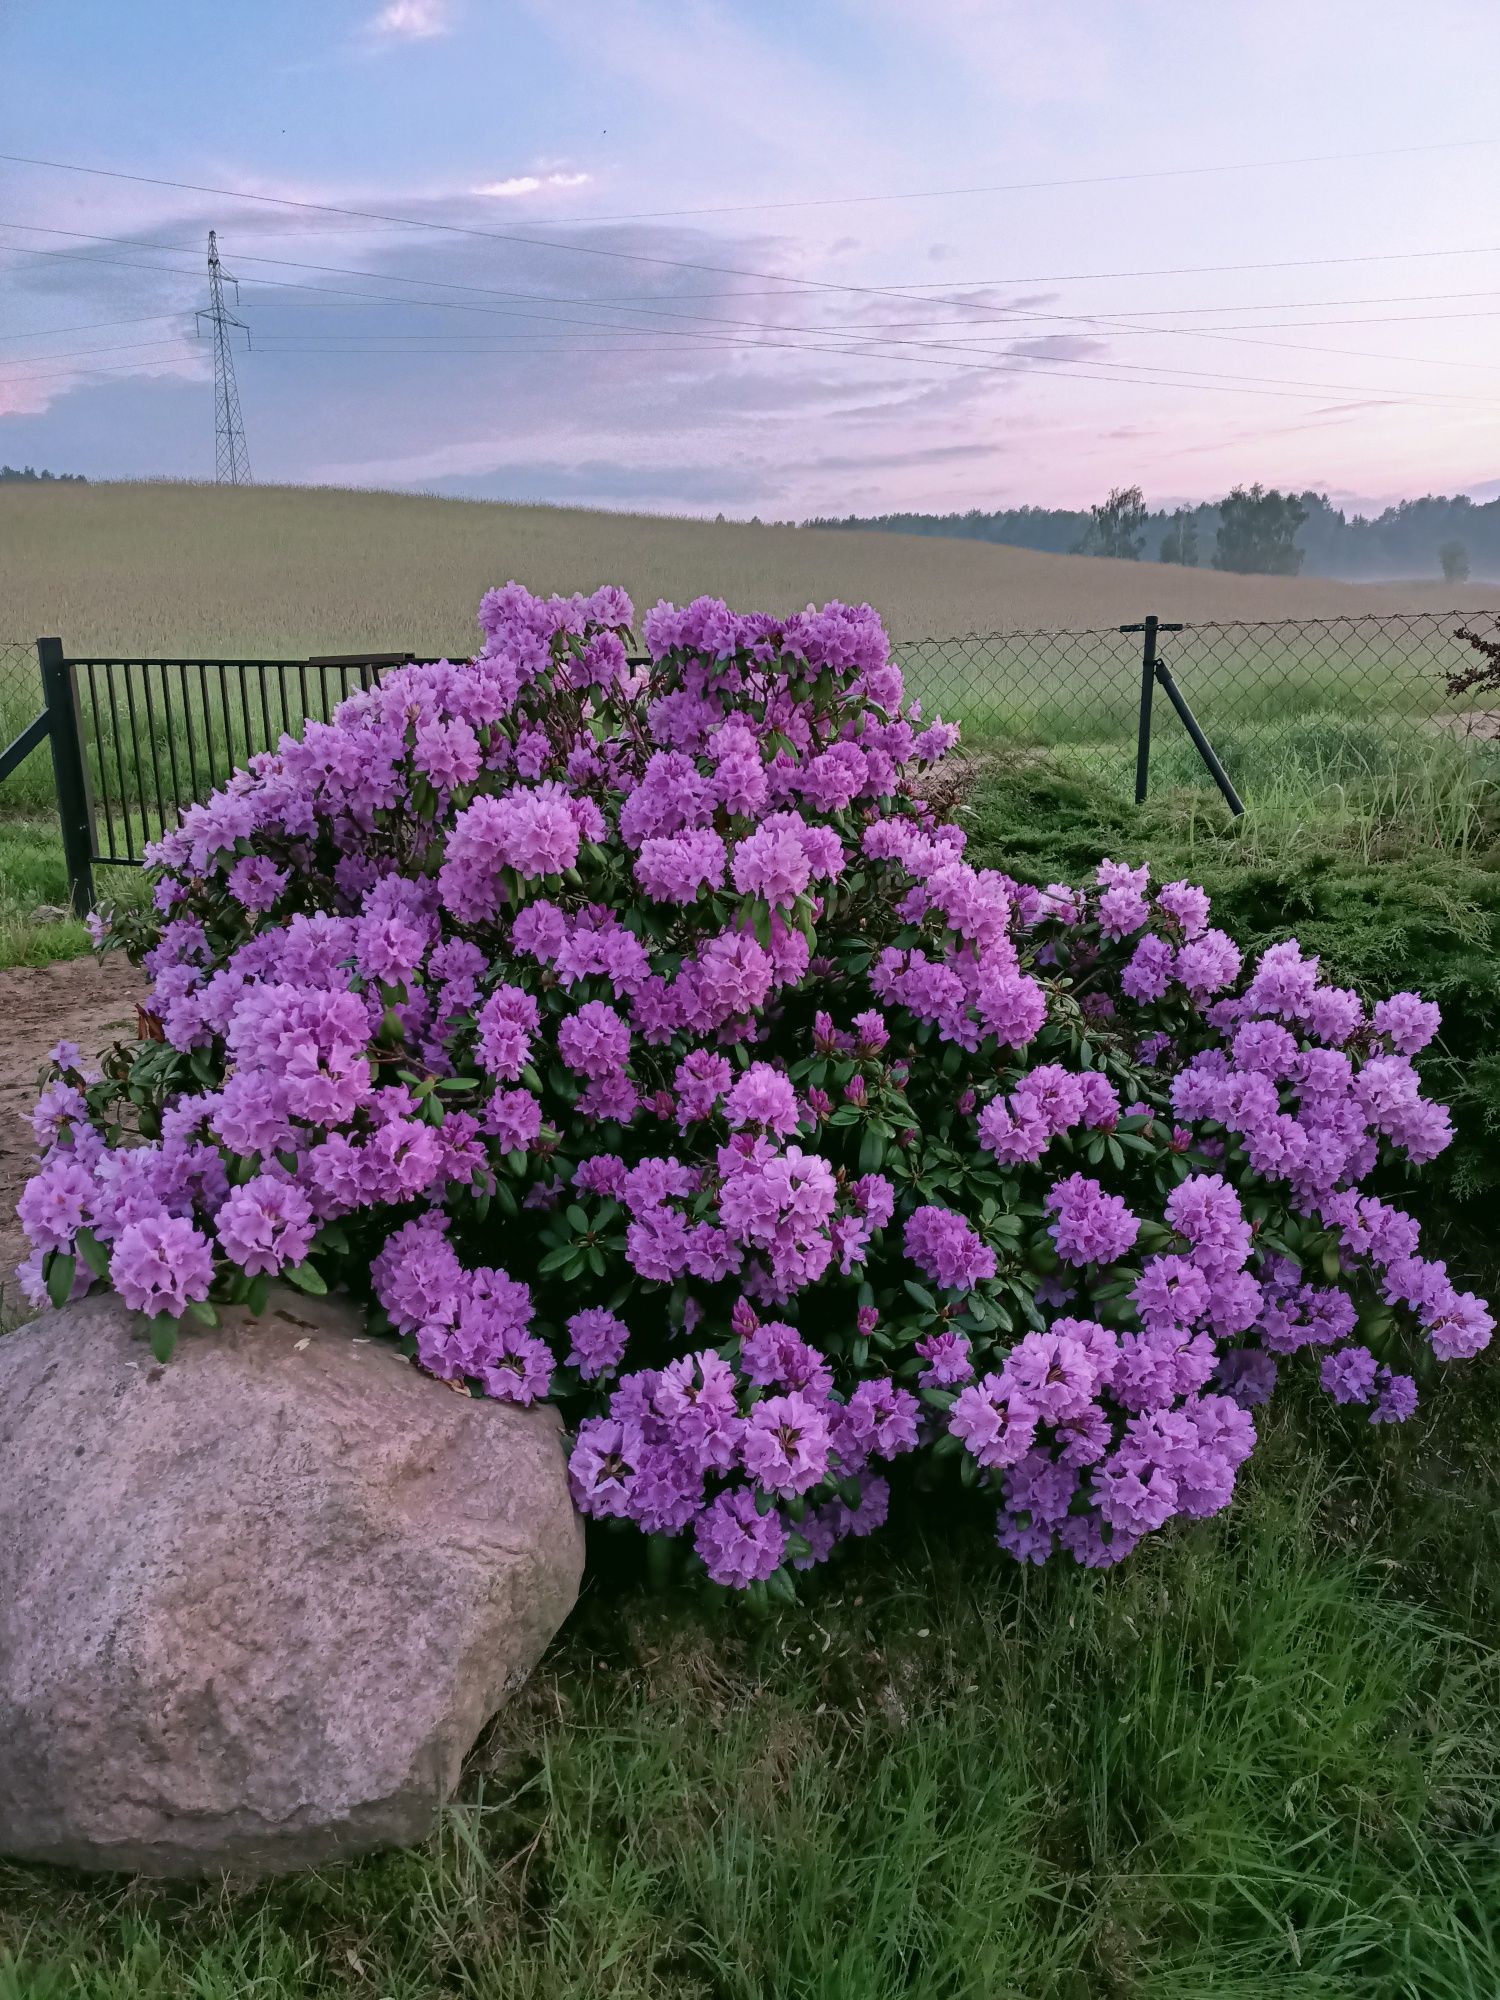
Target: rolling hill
[[263, 571]]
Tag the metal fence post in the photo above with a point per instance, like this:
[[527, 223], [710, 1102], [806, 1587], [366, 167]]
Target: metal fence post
[[68, 769], [1201, 743], [1148, 684]]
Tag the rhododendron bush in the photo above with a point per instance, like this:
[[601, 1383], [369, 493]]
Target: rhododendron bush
[[639, 1039]]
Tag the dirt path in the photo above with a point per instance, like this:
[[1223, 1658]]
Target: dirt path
[[88, 1001]]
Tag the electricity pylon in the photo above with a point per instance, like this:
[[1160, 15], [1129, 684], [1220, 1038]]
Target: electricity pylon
[[231, 454]]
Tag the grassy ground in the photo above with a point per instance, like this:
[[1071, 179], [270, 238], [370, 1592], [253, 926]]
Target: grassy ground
[[1262, 1759]]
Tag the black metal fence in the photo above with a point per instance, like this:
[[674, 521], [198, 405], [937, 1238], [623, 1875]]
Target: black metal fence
[[133, 741]]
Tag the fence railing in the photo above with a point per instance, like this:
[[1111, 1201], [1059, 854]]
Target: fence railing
[[133, 741]]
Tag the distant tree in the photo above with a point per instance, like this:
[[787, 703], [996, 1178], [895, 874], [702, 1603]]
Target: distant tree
[[1116, 527], [29, 476], [1258, 532], [1180, 543], [1453, 559]]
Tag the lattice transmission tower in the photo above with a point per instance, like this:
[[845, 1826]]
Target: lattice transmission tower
[[231, 454]]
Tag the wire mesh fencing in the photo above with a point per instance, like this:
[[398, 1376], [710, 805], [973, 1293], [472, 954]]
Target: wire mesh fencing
[[20, 687], [1333, 699]]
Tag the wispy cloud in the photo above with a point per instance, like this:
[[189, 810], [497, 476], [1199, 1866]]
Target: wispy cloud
[[412, 21], [517, 184]]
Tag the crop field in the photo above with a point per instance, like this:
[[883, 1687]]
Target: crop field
[[257, 572]]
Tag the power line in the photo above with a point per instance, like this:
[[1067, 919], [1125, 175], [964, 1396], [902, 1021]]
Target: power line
[[1009, 314], [87, 326], [1136, 375], [645, 301], [492, 235], [861, 200]]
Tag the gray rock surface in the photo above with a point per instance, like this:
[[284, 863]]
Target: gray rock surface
[[257, 1603]]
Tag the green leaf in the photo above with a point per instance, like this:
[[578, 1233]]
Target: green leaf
[[307, 1278], [163, 1336], [259, 1293], [780, 1586], [94, 1253], [60, 1272], [203, 1312]]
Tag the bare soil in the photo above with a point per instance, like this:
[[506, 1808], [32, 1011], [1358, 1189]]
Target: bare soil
[[88, 1001]]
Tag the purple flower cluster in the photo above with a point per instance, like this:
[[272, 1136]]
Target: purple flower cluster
[[639, 1038]]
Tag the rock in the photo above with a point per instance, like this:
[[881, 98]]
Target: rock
[[256, 1604], [51, 913]]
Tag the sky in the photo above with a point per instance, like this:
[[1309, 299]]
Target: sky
[[786, 258]]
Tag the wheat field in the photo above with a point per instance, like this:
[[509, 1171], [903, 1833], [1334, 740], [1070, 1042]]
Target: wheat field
[[178, 569]]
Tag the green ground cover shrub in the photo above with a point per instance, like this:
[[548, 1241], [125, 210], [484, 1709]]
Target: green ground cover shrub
[[1395, 884]]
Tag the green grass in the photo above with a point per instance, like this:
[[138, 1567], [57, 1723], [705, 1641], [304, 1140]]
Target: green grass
[[33, 876], [1250, 1763]]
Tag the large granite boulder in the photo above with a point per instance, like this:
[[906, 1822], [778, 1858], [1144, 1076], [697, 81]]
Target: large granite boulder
[[257, 1603]]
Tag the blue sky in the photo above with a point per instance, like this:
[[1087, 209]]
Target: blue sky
[[803, 347]]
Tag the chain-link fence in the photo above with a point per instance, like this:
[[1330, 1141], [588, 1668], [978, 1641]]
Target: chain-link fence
[[1336, 698], [26, 785], [20, 686]]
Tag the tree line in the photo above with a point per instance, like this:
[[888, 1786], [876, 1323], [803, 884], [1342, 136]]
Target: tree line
[[29, 474], [1252, 530]]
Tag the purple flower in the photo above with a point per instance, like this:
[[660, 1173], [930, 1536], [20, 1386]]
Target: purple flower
[[1408, 1021], [256, 883], [1349, 1375], [764, 1097], [1092, 1227], [160, 1264], [597, 1342], [995, 1425], [946, 1249], [948, 1360], [738, 1545], [674, 867], [603, 1465], [595, 1041], [1012, 1008], [266, 1224], [1396, 1400], [785, 1444], [772, 862]]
